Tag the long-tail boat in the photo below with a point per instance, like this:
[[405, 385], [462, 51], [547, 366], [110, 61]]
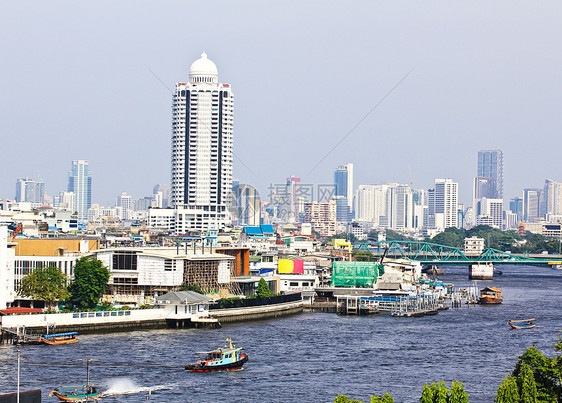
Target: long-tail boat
[[522, 323], [85, 393], [60, 338], [223, 358]]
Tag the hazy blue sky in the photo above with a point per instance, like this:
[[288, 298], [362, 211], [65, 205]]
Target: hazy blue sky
[[75, 84]]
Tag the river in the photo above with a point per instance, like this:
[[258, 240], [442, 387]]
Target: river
[[312, 357]]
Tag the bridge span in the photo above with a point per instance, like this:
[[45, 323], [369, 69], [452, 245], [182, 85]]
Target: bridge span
[[434, 254]]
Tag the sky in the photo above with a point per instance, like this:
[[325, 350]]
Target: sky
[[91, 80]]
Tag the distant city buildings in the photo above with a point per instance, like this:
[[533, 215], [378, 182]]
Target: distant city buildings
[[490, 165], [343, 183], [443, 205], [531, 204], [80, 183], [28, 190], [202, 135], [487, 189], [247, 205]]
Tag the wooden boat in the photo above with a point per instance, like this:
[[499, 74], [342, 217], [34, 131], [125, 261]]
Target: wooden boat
[[522, 323], [77, 393], [223, 358], [85, 393], [60, 338], [491, 296]]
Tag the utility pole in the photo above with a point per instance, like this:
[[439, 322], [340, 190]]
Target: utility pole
[[18, 390]]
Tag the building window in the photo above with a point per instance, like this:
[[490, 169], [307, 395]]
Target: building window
[[125, 260]]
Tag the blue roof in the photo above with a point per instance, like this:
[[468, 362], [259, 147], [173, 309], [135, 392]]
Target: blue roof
[[267, 229], [253, 230]]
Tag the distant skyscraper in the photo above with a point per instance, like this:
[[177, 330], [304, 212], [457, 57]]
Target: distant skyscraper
[[164, 190], [28, 190], [490, 165], [202, 125], [443, 204], [343, 182], [247, 204], [552, 197], [80, 183], [531, 204], [516, 207]]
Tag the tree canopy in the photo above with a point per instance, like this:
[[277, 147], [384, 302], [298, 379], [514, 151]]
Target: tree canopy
[[90, 281], [47, 284], [263, 289]]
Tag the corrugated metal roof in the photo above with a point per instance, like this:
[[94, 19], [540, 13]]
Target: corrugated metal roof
[[182, 296]]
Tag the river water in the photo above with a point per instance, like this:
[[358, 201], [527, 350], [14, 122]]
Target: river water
[[312, 357]]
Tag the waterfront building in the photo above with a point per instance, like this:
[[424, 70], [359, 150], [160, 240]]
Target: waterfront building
[[490, 165], [532, 204], [202, 135], [443, 204], [343, 183], [80, 183], [28, 190]]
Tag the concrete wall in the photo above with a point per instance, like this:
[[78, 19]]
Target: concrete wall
[[257, 313]]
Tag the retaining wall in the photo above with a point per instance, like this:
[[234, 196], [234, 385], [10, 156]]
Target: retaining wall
[[257, 312]]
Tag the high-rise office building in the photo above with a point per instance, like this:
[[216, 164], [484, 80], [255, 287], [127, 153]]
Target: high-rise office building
[[552, 197], [247, 204], [28, 190], [516, 207], [443, 204], [343, 182], [80, 183], [202, 126], [531, 204], [490, 165]]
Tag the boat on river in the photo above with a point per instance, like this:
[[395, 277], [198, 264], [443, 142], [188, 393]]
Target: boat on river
[[491, 296], [83, 393], [224, 358], [522, 323], [60, 338]]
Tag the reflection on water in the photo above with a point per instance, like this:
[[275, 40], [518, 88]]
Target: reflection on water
[[313, 356]]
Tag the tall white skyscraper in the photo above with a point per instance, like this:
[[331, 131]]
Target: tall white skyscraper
[[28, 190], [202, 125], [80, 183], [443, 204]]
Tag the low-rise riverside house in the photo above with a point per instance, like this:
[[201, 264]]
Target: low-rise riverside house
[[473, 246], [183, 304], [140, 274]]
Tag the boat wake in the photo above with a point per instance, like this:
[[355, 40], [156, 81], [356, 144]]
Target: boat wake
[[125, 386]]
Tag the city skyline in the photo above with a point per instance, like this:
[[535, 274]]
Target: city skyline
[[484, 78]]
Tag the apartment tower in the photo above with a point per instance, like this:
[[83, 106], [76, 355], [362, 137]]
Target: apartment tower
[[202, 124]]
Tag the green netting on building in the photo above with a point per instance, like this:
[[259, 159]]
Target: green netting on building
[[356, 274]]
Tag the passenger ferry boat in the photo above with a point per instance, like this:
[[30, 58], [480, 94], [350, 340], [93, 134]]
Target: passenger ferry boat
[[491, 296], [224, 358]]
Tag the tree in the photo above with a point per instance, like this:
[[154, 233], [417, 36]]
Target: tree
[[191, 287], [507, 391], [263, 289], [458, 395], [546, 375], [90, 281], [442, 394], [427, 394], [528, 386], [382, 399], [47, 284]]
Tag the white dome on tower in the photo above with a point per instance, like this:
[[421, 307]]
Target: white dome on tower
[[203, 70]]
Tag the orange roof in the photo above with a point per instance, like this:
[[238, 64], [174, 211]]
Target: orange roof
[[17, 309]]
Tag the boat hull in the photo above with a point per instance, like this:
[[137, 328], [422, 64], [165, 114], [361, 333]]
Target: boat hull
[[224, 367], [490, 300], [58, 342], [75, 398]]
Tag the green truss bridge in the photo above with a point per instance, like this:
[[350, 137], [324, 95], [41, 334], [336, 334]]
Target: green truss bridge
[[434, 254]]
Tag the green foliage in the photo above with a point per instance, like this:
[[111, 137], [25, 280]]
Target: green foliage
[[528, 385], [427, 394], [263, 289], [90, 280], [382, 399], [47, 284], [507, 391], [547, 375], [396, 236], [458, 395], [192, 287], [342, 399], [451, 237], [442, 393]]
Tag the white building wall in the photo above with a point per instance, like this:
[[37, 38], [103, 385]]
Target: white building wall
[[7, 255]]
